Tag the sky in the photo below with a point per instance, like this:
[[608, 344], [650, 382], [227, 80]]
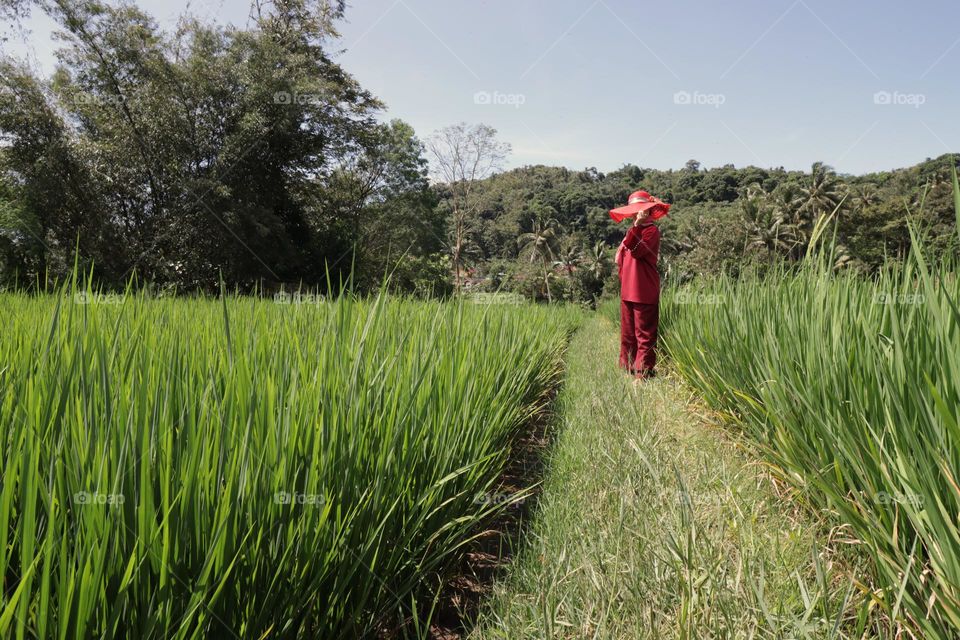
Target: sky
[[862, 86]]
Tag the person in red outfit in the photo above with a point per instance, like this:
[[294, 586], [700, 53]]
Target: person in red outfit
[[639, 283]]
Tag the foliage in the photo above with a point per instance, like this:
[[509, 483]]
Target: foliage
[[249, 154], [196, 468], [724, 220], [210, 152], [463, 155], [852, 384]]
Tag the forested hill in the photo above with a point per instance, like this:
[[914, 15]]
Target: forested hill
[[722, 217]]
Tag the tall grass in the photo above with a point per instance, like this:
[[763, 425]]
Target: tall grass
[[853, 386], [198, 468]]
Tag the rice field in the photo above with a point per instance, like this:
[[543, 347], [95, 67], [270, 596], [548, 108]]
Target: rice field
[[310, 468], [852, 385], [195, 468]]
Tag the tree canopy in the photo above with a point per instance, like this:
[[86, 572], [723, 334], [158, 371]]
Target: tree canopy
[[248, 155]]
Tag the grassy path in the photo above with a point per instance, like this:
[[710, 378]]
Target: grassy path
[[653, 524]]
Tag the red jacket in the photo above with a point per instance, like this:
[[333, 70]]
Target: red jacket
[[637, 260]]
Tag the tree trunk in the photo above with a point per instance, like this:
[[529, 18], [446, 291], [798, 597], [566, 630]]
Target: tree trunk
[[546, 282], [457, 248]]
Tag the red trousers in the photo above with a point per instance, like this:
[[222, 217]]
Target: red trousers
[[638, 336]]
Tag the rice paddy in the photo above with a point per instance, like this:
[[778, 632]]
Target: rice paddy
[[852, 384], [195, 468]]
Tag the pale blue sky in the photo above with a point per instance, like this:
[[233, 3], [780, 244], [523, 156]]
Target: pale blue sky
[[595, 83]]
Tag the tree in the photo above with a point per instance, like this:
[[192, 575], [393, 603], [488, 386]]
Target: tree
[[822, 191], [767, 227], [20, 245], [597, 261], [191, 156], [380, 198], [569, 254], [463, 155], [540, 244], [864, 196], [595, 269]]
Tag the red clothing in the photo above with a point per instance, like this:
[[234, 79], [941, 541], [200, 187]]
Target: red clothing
[[640, 298], [639, 279], [638, 336]]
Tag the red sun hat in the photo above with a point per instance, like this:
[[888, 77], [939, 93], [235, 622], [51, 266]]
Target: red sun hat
[[640, 201]]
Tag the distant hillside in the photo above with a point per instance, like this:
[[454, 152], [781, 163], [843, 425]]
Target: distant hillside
[[722, 217]]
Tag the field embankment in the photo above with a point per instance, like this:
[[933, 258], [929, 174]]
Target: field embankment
[[195, 468]]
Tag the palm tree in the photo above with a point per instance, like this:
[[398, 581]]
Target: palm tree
[[787, 199], [766, 221], [841, 257], [598, 264], [461, 244], [822, 193], [540, 244], [771, 233], [570, 255], [864, 196]]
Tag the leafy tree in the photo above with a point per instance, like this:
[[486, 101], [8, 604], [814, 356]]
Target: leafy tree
[[540, 244], [20, 244], [766, 225], [203, 153], [823, 191], [720, 185], [464, 155], [381, 200], [569, 254]]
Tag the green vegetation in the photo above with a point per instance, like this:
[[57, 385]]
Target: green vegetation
[[248, 154], [178, 466], [208, 152], [653, 524], [853, 386], [725, 220], [192, 468]]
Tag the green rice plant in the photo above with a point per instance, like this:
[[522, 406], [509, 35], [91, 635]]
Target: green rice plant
[[192, 468], [852, 384]]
